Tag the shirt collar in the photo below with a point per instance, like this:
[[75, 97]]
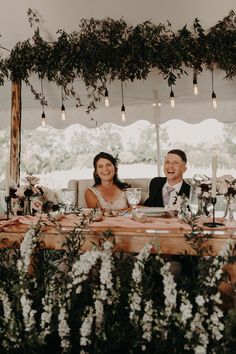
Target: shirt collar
[[177, 186]]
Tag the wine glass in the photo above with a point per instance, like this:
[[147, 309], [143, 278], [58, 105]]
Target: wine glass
[[68, 199], [133, 196], [194, 200]]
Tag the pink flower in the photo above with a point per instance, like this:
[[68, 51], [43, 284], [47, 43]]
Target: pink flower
[[37, 204]]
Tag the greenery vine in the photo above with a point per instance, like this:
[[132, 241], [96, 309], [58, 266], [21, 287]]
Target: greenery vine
[[106, 50]]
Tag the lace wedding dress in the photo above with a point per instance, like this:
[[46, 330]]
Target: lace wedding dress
[[120, 203]]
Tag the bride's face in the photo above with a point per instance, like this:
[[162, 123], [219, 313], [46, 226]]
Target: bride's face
[[105, 169]]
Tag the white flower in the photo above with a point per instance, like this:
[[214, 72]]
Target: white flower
[[224, 183], [26, 248], [36, 204], [28, 313], [10, 331], [47, 312], [136, 292], [86, 328], [99, 312], [199, 349], [31, 180], [147, 320], [199, 300], [63, 327], [185, 309], [169, 289]]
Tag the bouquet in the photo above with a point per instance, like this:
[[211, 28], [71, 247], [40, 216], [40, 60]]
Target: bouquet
[[226, 185], [31, 198]]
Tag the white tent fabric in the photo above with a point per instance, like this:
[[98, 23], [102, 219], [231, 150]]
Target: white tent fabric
[[138, 96]]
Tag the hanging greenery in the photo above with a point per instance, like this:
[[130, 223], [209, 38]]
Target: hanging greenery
[[106, 50]]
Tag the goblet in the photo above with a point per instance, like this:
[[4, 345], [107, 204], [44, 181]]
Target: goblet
[[194, 201], [68, 199], [133, 196]]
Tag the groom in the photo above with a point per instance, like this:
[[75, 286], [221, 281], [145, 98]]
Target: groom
[[163, 190]]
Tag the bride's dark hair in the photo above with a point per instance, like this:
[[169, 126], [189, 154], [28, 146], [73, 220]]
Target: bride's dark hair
[[114, 161]]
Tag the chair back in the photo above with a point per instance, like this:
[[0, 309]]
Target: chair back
[[81, 185]]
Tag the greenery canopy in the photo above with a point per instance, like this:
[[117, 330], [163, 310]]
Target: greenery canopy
[[106, 50]]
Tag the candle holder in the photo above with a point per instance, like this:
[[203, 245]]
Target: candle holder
[[213, 223], [8, 202]]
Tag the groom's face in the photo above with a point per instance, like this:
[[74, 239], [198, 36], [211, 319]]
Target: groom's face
[[174, 168]]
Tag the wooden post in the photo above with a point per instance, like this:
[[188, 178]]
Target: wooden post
[[15, 142]]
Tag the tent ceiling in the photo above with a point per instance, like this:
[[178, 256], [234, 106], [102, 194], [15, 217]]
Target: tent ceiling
[[138, 96]]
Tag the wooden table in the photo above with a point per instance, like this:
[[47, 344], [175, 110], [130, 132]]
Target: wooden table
[[167, 235]]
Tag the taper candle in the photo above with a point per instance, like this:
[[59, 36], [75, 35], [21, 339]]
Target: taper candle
[[214, 166], [7, 173]]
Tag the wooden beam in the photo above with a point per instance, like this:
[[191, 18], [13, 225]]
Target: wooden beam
[[15, 142]]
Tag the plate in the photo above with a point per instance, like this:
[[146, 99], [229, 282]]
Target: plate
[[153, 211]]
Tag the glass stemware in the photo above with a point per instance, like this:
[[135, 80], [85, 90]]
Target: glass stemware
[[133, 196], [68, 199], [195, 202]]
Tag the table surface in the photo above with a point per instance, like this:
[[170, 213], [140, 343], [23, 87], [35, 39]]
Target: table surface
[[166, 233]]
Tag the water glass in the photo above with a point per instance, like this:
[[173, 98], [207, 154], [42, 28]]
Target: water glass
[[133, 196], [68, 199]]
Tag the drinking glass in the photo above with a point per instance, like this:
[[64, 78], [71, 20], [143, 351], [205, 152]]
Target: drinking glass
[[68, 199], [133, 196], [194, 201]]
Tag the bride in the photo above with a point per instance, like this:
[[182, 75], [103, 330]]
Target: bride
[[108, 192]]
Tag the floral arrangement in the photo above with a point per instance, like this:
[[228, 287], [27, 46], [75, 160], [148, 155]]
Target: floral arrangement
[[31, 197], [226, 185], [99, 302]]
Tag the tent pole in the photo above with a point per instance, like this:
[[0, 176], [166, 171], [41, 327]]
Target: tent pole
[[157, 126], [15, 136]]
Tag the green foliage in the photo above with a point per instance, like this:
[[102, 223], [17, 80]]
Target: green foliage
[[106, 50]]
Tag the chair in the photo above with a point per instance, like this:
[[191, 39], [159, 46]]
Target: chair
[[82, 184]]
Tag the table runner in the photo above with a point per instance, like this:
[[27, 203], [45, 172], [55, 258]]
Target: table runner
[[126, 221]]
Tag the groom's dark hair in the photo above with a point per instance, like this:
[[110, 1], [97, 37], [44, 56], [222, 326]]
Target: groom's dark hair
[[180, 153]]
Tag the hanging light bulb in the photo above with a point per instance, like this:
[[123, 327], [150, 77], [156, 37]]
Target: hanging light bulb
[[107, 103], [63, 110], [43, 120], [213, 95], [43, 116], [195, 88], [214, 102], [123, 117], [172, 98]]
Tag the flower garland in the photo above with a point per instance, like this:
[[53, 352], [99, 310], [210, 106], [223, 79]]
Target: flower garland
[[89, 53]]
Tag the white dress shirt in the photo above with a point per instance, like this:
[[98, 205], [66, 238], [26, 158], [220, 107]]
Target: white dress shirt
[[174, 193]]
